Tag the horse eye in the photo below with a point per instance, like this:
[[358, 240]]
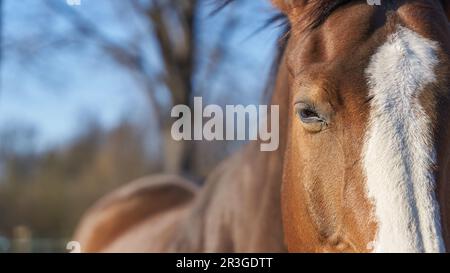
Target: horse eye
[[307, 114], [310, 118]]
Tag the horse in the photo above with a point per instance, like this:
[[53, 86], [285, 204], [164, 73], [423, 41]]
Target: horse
[[364, 157]]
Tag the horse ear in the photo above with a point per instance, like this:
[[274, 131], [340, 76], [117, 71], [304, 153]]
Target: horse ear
[[446, 5]]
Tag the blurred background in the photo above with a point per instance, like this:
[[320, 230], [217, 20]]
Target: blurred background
[[86, 92]]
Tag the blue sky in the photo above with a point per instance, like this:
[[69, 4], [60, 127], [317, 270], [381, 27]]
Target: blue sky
[[58, 90]]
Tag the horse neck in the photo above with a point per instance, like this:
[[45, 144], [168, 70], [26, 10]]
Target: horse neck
[[239, 208], [262, 177]]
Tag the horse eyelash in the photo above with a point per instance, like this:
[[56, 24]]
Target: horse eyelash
[[369, 99]]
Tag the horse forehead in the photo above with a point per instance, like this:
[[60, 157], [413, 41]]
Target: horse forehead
[[352, 26], [342, 47], [339, 47]]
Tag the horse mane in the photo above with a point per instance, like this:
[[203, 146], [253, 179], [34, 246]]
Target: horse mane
[[281, 47], [278, 20]]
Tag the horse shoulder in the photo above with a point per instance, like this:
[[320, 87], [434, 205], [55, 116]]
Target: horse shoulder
[[130, 205]]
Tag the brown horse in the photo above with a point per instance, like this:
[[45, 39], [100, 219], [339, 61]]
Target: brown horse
[[364, 157]]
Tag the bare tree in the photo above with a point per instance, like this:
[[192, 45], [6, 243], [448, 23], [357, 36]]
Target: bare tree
[[173, 24], [1, 44]]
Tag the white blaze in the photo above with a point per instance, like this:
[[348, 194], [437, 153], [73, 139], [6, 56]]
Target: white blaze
[[398, 154]]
